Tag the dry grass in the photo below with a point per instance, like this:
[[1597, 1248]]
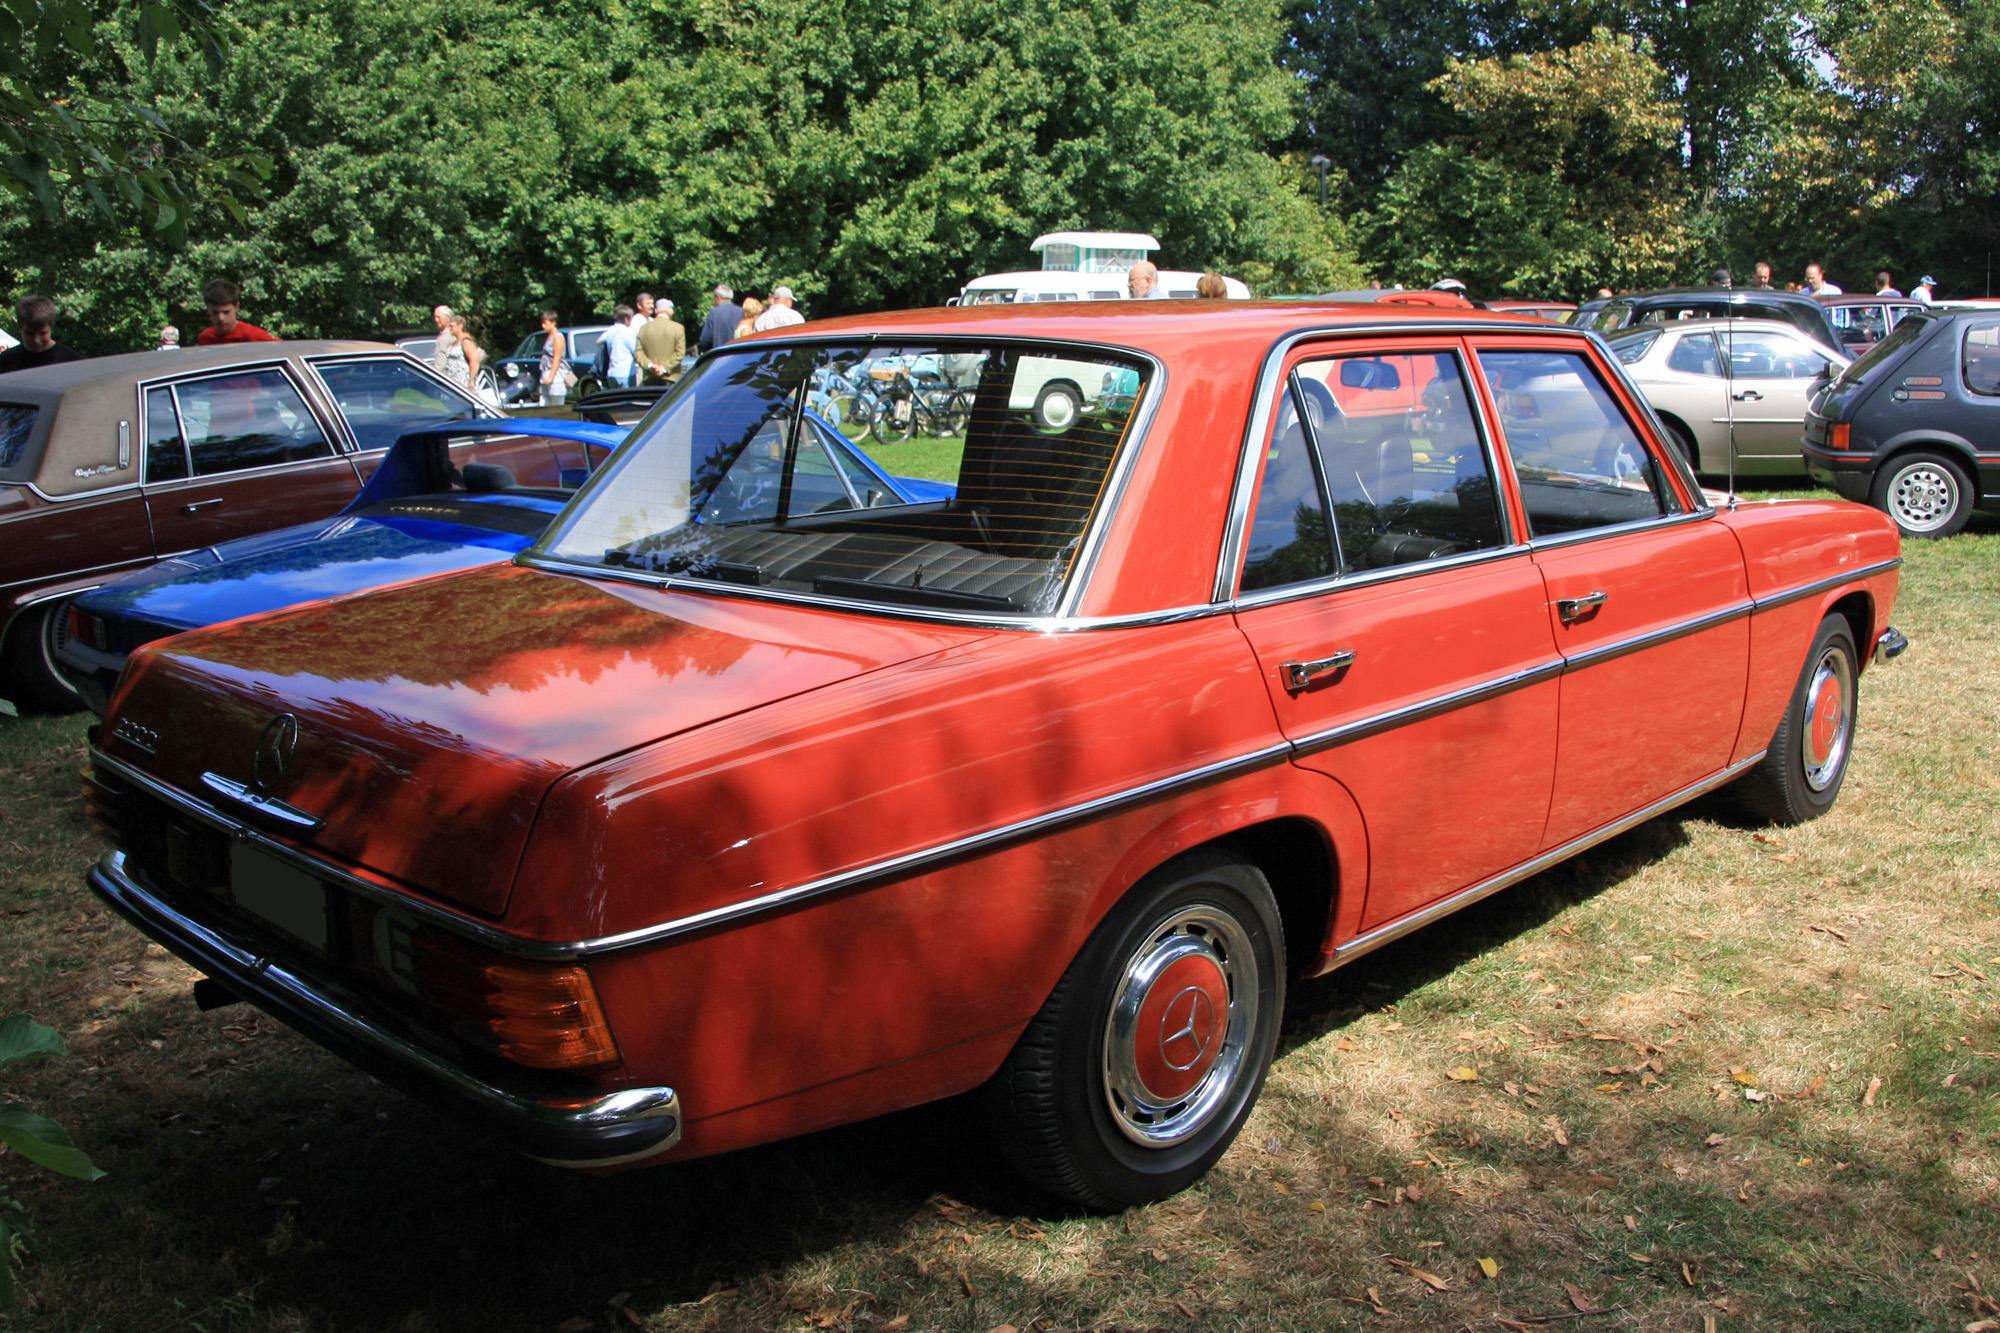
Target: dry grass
[[1613, 1011]]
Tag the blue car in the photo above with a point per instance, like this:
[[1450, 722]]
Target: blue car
[[419, 515]]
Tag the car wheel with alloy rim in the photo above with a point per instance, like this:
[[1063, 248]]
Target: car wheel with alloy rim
[[1148, 1056], [1927, 494], [1800, 775]]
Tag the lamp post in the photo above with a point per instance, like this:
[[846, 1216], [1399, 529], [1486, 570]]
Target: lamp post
[[1316, 160]]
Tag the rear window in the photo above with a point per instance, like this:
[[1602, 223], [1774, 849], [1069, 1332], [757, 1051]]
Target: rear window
[[1906, 333], [958, 477], [17, 424], [1629, 347]]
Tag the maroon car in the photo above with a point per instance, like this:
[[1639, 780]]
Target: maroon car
[[113, 463]]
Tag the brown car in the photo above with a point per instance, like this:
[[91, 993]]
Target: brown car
[[115, 462]]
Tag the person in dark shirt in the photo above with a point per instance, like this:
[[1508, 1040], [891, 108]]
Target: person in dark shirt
[[223, 299], [720, 326], [37, 318]]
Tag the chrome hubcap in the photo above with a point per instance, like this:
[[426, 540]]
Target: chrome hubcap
[[1923, 497], [1174, 1041], [1829, 719]]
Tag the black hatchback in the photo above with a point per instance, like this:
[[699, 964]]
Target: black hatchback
[[1608, 315], [1913, 426]]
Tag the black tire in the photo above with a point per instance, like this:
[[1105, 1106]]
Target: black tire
[[1800, 775], [1057, 406], [1684, 442], [1091, 1103], [1928, 495], [32, 676]]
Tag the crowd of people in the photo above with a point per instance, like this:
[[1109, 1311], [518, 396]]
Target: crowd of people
[[645, 344]]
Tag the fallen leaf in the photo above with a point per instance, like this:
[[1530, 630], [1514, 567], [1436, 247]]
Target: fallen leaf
[[1490, 1267], [1868, 1097], [1611, 1087], [1743, 1076], [1829, 930], [1562, 930], [1642, 958], [1318, 1205], [1463, 1075], [966, 1282], [1639, 1258], [1687, 1275], [1764, 838], [1158, 1256], [1554, 1126], [1786, 857], [1375, 1296], [1413, 1193], [1281, 1187], [1431, 1280], [1343, 1045], [1577, 1298], [897, 1325], [1707, 1322], [1631, 1222], [1743, 1192], [1009, 1328]]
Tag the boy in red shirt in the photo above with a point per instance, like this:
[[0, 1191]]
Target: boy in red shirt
[[224, 299]]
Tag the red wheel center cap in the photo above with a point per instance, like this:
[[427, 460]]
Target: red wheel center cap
[[1826, 718], [1181, 1026]]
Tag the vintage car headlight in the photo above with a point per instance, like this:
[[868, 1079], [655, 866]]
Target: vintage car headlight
[[509, 369]]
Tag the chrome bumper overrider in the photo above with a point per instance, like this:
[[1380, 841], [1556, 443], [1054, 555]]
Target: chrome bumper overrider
[[1890, 644], [563, 1129]]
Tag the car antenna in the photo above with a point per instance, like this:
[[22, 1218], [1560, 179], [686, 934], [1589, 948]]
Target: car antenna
[[1729, 403]]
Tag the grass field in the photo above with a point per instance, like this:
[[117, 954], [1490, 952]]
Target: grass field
[[1707, 1076]]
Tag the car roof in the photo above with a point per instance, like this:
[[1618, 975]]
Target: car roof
[[127, 366], [1149, 324]]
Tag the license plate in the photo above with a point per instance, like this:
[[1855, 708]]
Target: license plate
[[289, 899]]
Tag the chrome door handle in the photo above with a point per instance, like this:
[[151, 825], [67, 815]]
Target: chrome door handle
[[196, 505], [1299, 675], [1573, 609], [1746, 395]]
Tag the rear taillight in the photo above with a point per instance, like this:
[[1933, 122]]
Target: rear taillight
[[90, 630], [1837, 435], [543, 1015]]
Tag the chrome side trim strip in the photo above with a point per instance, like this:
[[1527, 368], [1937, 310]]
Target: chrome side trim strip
[[909, 863], [918, 861], [1620, 529], [1292, 592], [632, 1122], [1639, 642], [1394, 930], [1806, 590], [1428, 708]]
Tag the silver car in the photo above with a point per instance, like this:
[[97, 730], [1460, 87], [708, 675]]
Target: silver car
[[1712, 380]]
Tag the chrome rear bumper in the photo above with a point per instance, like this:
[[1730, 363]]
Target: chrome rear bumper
[[563, 1129], [1890, 644]]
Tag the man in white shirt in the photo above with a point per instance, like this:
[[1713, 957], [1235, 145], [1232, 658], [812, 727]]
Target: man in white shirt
[[1925, 291], [621, 341], [1817, 284], [779, 314]]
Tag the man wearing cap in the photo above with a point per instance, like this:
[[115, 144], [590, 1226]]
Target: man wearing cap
[[720, 326], [779, 314], [1721, 278], [1925, 291], [662, 344]]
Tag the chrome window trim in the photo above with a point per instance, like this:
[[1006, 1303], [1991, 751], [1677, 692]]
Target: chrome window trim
[[1236, 532], [337, 448], [1291, 592], [1619, 529], [1424, 916], [1082, 566]]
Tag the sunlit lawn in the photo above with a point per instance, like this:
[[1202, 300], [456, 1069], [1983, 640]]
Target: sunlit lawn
[[1718, 1074]]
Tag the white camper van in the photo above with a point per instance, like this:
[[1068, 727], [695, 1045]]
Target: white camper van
[[1084, 266]]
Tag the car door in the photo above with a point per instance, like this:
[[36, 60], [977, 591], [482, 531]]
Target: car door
[[1684, 379], [1400, 627], [1771, 373], [1646, 595], [234, 453], [380, 397]]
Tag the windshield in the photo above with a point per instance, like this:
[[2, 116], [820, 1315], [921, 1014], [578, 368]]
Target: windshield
[[1908, 331], [950, 476]]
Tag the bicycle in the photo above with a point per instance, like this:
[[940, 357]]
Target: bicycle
[[938, 410]]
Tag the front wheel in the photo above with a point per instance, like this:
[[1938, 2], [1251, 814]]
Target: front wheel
[[1148, 1056], [1056, 406], [895, 420], [32, 675], [1928, 495], [1800, 775]]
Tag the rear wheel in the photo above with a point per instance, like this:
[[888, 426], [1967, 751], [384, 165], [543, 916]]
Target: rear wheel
[[1057, 405], [1927, 494], [1148, 1056], [32, 676], [1800, 775], [1684, 441]]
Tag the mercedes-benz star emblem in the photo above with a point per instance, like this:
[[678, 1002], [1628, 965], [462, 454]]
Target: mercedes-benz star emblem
[[1186, 1027], [274, 752]]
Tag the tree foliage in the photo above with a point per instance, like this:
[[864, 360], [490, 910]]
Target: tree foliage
[[503, 158]]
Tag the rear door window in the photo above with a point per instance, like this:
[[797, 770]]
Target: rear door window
[[166, 451], [1580, 461], [1695, 355], [248, 420]]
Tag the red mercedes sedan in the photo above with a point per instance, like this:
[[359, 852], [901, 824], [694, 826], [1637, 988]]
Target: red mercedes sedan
[[743, 805]]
